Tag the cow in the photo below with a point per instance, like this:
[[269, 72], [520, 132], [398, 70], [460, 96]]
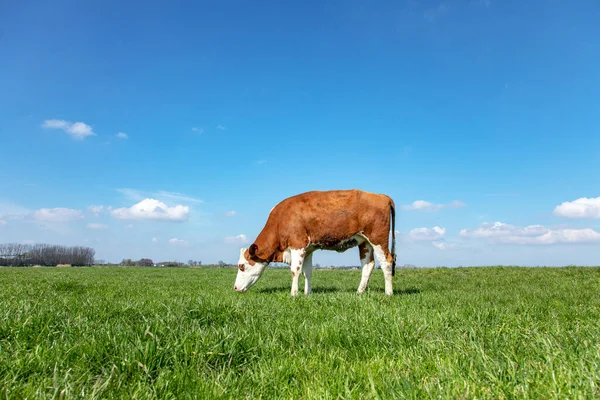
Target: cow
[[323, 220]]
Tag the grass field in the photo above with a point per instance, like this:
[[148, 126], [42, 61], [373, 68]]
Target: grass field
[[489, 332]]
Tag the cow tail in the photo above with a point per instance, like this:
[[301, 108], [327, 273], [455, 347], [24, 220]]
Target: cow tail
[[393, 216]]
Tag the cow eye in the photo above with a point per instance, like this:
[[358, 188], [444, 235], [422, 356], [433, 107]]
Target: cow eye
[[241, 267]]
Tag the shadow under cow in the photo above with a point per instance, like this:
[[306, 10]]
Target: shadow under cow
[[331, 289]]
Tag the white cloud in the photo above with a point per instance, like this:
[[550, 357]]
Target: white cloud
[[555, 236], [122, 135], [96, 210], [422, 205], [11, 211], [130, 226], [531, 235], [221, 128], [152, 209], [2, 222], [444, 245], [56, 123], [154, 240], [176, 197], [239, 239], [80, 130], [77, 130], [500, 229], [198, 130], [57, 214], [178, 242], [96, 226], [580, 208], [434, 233], [230, 213], [163, 195]]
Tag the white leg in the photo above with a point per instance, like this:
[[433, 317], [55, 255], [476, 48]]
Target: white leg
[[295, 268], [387, 274], [367, 262], [307, 271], [386, 267]]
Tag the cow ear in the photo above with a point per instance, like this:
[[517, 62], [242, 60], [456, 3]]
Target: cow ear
[[253, 249]]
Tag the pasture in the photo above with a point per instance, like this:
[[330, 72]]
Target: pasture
[[492, 332]]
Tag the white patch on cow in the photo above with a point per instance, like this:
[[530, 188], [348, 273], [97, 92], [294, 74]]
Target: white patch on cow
[[379, 255], [295, 254], [250, 274], [386, 267], [287, 256], [297, 259], [367, 263]]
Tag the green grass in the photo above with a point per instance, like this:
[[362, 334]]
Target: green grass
[[184, 333]]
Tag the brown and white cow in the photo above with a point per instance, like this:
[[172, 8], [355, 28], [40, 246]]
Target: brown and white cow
[[323, 220]]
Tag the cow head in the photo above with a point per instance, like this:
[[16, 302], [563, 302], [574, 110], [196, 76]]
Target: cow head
[[250, 269]]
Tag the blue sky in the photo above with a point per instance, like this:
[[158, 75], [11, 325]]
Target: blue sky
[[479, 118]]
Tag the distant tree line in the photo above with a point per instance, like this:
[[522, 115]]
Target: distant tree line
[[147, 262], [143, 262], [19, 255]]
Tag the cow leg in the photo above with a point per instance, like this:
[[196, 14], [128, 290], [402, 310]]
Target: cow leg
[[367, 262], [297, 258], [307, 271], [385, 260]]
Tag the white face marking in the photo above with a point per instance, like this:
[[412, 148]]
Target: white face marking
[[247, 274]]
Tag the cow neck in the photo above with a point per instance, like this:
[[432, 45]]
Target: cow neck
[[267, 243]]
